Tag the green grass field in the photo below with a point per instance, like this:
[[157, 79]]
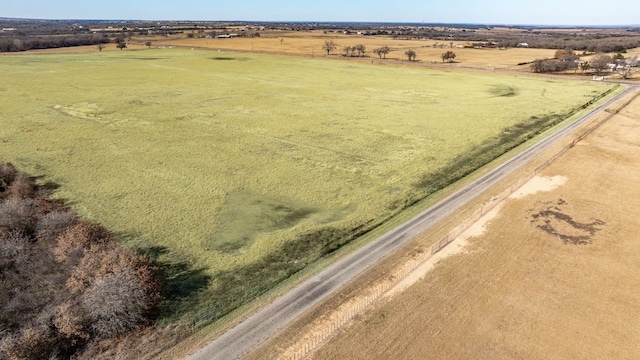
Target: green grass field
[[217, 163]]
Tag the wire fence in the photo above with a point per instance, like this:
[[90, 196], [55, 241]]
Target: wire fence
[[349, 310]]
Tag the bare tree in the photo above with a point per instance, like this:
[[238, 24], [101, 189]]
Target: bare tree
[[600, 62], [329, 46], [121, 43], [382, 51], [360, 49], [625, 72], [584, 66], [411, 55], [147, 44], [100, 47], [347, 50]]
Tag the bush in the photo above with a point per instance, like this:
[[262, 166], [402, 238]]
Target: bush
[[65, 282], [18, 215], [51, 225]]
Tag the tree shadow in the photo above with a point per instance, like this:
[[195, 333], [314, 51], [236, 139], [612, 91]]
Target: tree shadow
[[181, 282]]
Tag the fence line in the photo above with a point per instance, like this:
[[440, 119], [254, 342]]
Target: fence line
[[300, 350]]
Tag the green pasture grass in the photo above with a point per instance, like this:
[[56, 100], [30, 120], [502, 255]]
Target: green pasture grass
[[236, 170]]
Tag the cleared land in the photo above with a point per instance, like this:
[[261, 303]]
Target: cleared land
[[215, 162], [553, 275], [428, 52], [310, 44]]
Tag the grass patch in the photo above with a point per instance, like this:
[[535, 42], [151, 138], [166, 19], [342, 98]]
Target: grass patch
[[244, 171]]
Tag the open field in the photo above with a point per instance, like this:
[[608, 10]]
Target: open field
[[310, 44], [551, 275], [217, 162]]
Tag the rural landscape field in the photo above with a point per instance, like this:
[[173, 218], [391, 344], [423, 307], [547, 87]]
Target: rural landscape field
[[235, 168], [552, 274], [221, 159]]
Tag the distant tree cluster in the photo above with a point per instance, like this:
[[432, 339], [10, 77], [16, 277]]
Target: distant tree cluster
[[23, 43], [590, 44], [552, 65], [357, 50], [64, 282], [563, 60], [382, 51]]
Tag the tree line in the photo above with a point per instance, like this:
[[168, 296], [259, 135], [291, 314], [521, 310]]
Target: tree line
[[23, 43], [567, 60], [64, 282]]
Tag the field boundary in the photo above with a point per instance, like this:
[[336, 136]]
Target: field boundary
[[348, 311]]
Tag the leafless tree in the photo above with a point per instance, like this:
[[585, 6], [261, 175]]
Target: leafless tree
[[147, 44], [100, 47], [329, 46], [625, 72], [121, 43], [360, 49], [600, 62], [382, 51]]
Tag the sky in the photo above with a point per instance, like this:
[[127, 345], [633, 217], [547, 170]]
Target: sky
[[509, 12]]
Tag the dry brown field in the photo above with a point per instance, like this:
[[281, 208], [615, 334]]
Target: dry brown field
[[310, 44], [552, 274]]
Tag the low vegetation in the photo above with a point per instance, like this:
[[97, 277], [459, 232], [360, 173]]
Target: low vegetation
[[235, 171], [65, 282]]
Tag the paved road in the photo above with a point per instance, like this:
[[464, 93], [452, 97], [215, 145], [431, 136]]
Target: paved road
[[275, 316]]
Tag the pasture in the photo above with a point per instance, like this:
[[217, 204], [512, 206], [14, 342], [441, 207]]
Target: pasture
[[309, 44], [237, 170]]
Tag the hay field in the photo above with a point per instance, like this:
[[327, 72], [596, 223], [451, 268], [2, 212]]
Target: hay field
[[215, 162], [310, 44], [553, 276]]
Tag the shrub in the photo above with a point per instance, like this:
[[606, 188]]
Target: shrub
[[65, 282], [8, 173], [17, 215], [51, 225]]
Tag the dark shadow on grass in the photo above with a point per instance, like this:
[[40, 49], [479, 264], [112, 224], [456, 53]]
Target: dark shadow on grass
[[228, 58], [182, 283]]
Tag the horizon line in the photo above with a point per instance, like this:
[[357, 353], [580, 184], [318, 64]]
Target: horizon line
[[332, 22]]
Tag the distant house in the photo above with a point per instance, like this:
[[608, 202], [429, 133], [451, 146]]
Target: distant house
[[526, 45], [9, 29]]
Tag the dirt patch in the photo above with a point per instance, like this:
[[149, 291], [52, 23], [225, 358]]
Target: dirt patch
[[539, 183], [551, 218]]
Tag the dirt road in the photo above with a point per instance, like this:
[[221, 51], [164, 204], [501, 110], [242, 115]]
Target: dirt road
[[269, 320]]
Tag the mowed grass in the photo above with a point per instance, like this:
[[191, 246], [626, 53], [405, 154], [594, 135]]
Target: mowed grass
[[216, 163]]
